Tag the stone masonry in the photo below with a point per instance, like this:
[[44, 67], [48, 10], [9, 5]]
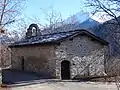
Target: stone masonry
[[86, 56], [39, 59]]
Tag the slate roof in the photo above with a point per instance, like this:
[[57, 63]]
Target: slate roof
[[54, 38]]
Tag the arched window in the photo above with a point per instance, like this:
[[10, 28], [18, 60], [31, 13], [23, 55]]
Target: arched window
[[34, 31]]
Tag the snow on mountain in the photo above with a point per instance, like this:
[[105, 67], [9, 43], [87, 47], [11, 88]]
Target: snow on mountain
[[89, 24], [78, 17]]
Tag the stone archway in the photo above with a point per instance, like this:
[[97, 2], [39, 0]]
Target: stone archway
[[65, 69]]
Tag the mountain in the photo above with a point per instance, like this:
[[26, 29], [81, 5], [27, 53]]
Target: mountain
[[89, 24], [78, 17], [110, 31], [80, 20]]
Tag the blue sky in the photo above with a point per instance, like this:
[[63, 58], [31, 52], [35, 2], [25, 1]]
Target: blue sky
[[65, 7]]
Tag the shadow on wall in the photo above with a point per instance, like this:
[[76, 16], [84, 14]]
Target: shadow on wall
[[16, 77]]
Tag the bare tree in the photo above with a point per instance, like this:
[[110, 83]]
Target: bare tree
[[9, 10], [111, 30], [53, 19], [9, 13], [54, 22], [109, 7]]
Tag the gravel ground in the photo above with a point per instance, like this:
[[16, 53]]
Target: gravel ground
[[68, 86]]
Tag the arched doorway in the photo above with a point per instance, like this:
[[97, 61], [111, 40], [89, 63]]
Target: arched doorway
[[65, 69]]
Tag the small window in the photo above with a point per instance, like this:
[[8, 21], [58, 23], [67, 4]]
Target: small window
[[71, 39], [92, 39], [34, 31], [61, 51], [22, 63]]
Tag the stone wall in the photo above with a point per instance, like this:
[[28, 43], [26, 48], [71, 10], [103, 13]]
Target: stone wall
[[86, 56], [38, 59]]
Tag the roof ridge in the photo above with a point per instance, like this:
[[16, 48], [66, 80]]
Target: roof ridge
[[65, 32]]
